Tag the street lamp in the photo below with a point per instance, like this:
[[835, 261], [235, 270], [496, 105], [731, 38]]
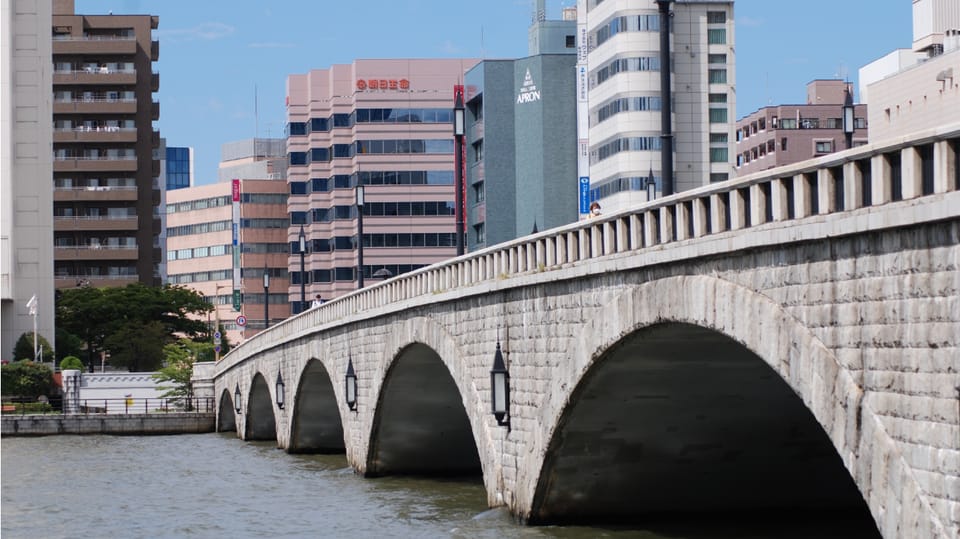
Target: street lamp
[[280, 390], [266, 298], [500, 390], [236, 398], [303, 277], [458, 132], [848, 120], [359, 232], [351, 385]]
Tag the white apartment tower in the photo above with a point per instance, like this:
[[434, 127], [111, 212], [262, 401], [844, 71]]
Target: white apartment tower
[[625, 101]]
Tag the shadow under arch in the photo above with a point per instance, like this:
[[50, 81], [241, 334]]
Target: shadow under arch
[[260, 422], [676, 418], [226, 414], [421, 426], [316, 423]]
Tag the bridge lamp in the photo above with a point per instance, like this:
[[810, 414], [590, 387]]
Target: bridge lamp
[[500, 390], [280, 390], [351, 386], [848, 119], [236, 399]]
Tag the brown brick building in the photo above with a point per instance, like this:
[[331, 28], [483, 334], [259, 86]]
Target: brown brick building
[[105, 168], [784, 134]]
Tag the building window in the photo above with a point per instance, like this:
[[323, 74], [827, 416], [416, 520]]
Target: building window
[[571, 42], [718, 116], [716, 17], [298, 188], [478, 151], [719, 177], [783, 144], [717, 76], [478, 192], [717, 36], [824, 146], [718, 155], [718, 98], [480, 235], [718, 138], [717, 59]]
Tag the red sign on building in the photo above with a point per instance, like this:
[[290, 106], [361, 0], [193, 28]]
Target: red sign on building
[[382, 84]]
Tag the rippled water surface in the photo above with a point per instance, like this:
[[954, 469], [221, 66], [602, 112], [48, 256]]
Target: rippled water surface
[[214, 485]]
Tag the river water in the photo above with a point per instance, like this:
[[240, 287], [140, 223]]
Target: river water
[[214, 485]]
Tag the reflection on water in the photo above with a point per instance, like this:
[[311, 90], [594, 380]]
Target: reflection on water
[[214, 485]]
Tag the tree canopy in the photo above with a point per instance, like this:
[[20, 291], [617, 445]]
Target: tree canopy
[[132, 323], [23, 349]]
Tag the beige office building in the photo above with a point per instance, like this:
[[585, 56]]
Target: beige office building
[[223, 237], [26, 191]]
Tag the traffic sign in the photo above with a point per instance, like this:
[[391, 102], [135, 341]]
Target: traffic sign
[[216, 348], [216, 335], [241, 320]]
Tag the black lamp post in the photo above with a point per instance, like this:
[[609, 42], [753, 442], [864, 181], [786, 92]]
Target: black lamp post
[[351, 385], [303, 277], [359, 233], [280, 390], [666, 111], [266, 298], [236, 399], [848, 120], [500, 390], [458, 132]]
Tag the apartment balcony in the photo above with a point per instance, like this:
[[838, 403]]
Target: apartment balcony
[[95, 281], [95, 106], [94, 252], [96, 134], [155, 110], [94, 194], [95, 76], [80, 164], [94, 45], [154, 50], [94, 224], [154, 139]]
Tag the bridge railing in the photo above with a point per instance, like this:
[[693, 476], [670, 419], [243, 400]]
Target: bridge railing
[[923, 164]]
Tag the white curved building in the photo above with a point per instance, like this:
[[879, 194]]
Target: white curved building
[[625, 101]]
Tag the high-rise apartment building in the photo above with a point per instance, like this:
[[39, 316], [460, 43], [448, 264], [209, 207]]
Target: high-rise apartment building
[[521, 142], [622, 44], [385, 125], [783, 134], [106, 170], [222, 238], [26, 192]]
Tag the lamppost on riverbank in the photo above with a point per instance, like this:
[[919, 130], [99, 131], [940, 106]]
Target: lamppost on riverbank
[[266, 296], [359, 233], [303, 277]]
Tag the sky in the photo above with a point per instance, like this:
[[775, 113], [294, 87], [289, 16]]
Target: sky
[[224, 63]]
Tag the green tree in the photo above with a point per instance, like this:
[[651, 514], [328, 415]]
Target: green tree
[[71, 363], [178, 367], [25, 379], [137, 347], [23, 349], [132, 323]]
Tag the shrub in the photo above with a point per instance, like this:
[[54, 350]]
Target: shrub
[[71, 363], [23, 349], [25, 379]]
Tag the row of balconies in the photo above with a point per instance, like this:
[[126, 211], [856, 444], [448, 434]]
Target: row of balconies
[[101, 45], [94, 194], [101, 76], [77, 164]]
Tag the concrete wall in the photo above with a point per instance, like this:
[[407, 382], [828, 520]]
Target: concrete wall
[[133, 424]]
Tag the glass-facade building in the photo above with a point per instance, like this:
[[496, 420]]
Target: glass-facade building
[[179, 166]]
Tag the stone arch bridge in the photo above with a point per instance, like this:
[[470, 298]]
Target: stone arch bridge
[[786, 339]]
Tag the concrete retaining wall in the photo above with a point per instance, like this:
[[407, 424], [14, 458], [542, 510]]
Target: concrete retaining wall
[[133, 424]]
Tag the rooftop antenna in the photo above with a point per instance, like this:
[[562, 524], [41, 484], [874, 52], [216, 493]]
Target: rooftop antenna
[[256, 121], [483, 53]]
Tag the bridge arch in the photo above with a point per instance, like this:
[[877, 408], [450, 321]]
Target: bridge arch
[[316, 425], [748, 321], [427, 406], [226, 414], [260, 424]]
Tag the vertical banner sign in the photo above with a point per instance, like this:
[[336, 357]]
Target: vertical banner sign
[[235, 222], [583, 108], [458, 90]]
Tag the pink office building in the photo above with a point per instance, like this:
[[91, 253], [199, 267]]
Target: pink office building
[[385, 125]]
